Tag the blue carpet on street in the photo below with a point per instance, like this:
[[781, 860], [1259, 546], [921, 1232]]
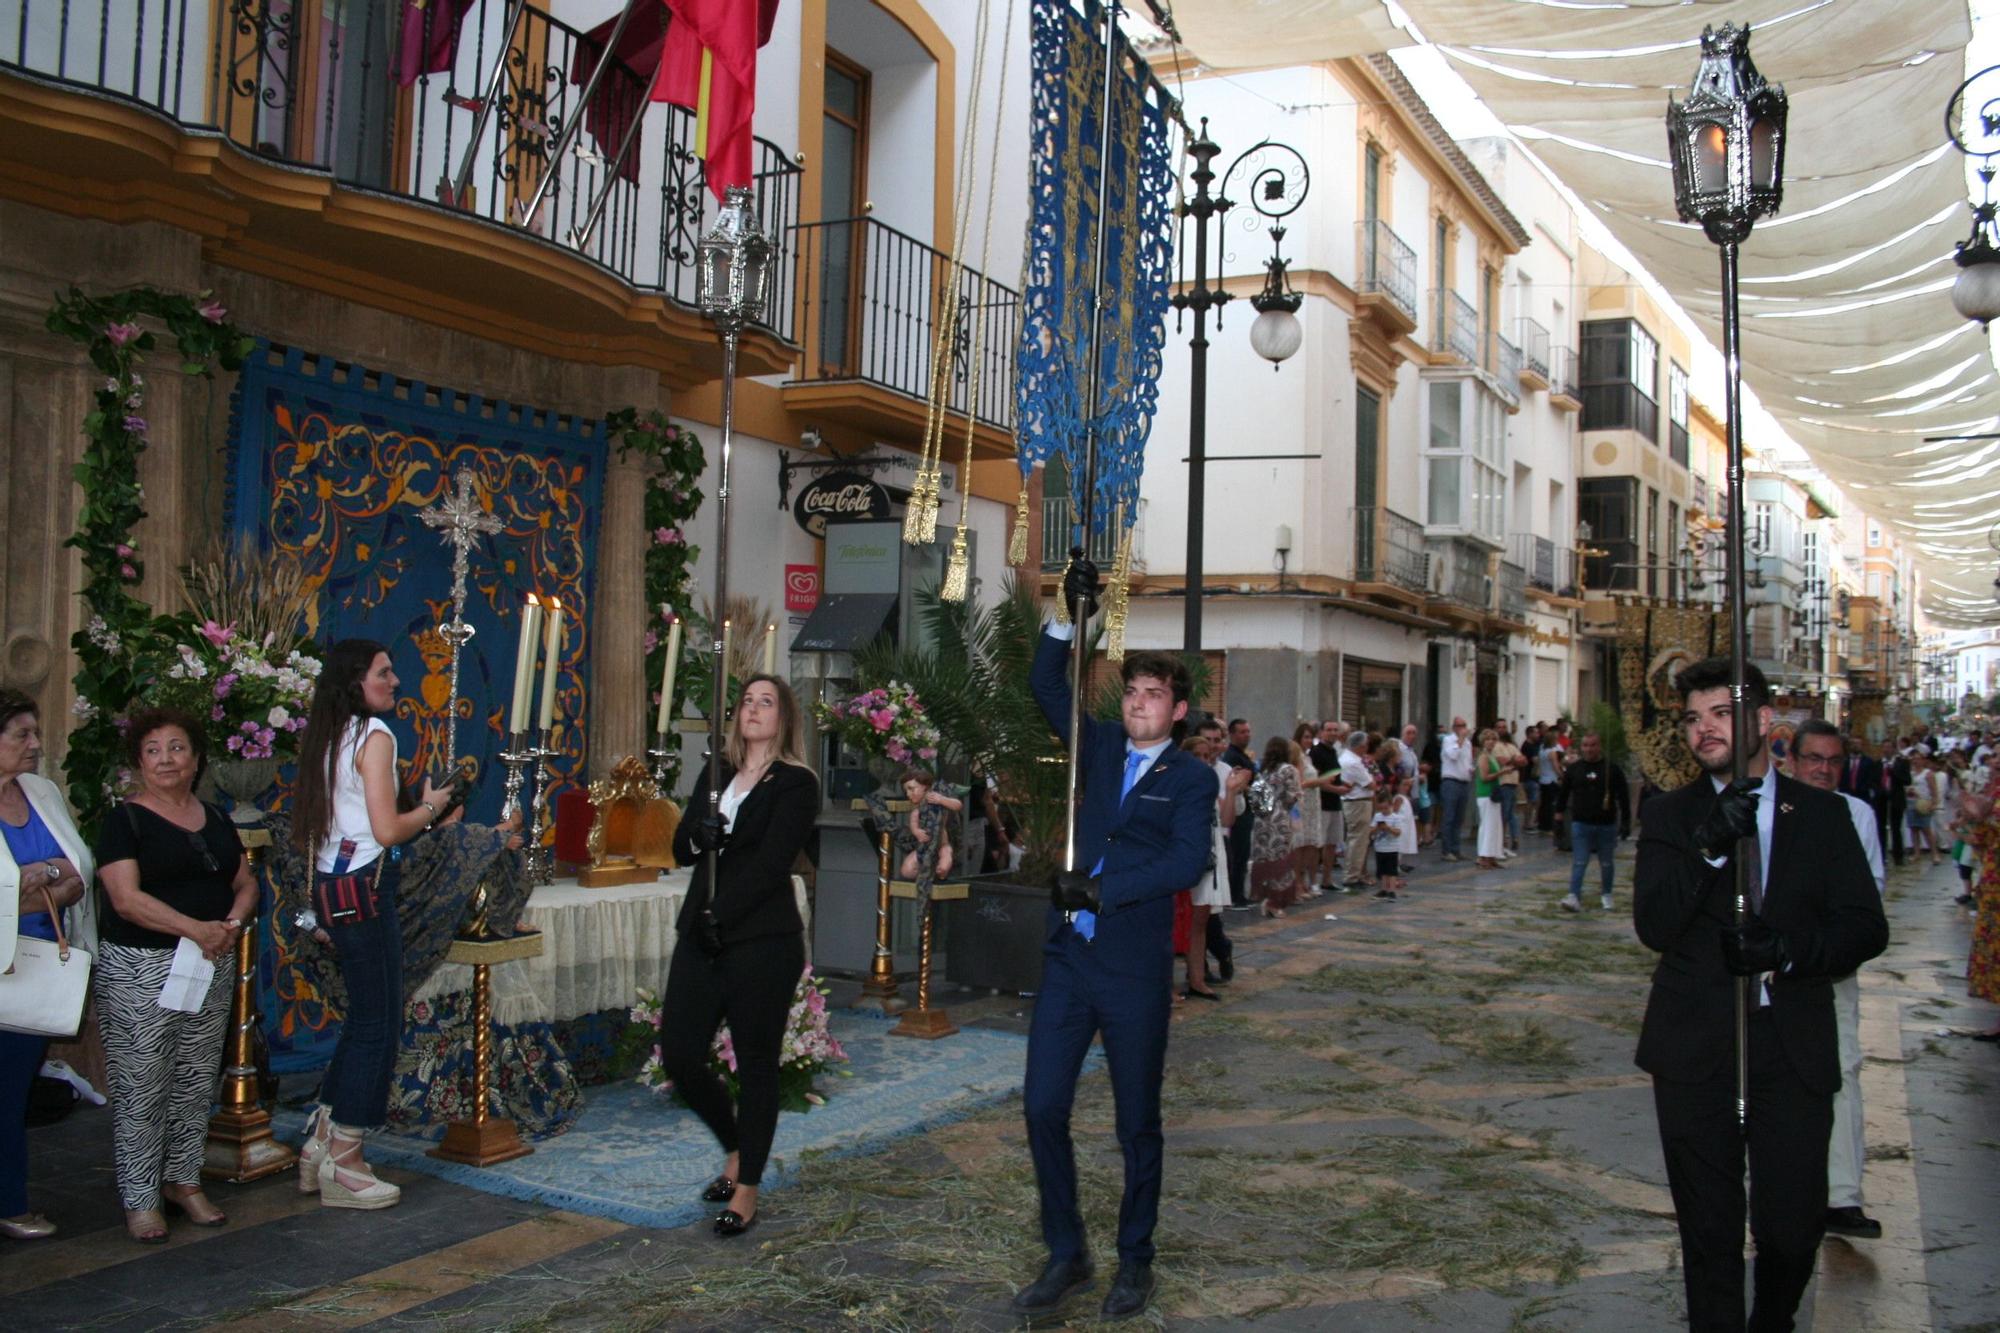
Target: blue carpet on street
[[637, 1157]]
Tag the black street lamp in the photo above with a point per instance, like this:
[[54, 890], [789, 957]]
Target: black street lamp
[[1727, 145], [1276, 193], [1976, 292]]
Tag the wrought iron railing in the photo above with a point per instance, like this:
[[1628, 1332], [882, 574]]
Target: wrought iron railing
[[872, 302], [1513, 591], [1534, 348], [1549, 568], [1454, 326], [1562, 371], [1458, 575], [1057, 536], [1389, 548], [345, 87], [1388, 266], [1503, 359]]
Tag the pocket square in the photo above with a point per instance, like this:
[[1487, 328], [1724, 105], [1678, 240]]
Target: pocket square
[[1146, 796]]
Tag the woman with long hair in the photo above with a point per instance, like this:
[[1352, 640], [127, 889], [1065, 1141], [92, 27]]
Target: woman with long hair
[[346, 820], [1273, 878], [1486, 769], [741, 946]]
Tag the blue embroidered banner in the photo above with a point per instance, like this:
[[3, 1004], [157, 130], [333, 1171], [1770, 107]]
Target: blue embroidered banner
[[1069, 114], [332, 464]]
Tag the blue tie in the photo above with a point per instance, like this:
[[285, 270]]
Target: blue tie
[[1085, 923]]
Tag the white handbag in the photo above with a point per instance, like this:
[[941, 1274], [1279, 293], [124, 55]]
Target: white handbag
[[42, 994]]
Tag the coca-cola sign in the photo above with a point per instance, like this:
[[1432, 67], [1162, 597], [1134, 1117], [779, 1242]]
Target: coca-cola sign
[[841, 495]]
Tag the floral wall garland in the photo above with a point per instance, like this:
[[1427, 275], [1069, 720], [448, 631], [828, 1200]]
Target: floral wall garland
[[674, 462], [119, 647]]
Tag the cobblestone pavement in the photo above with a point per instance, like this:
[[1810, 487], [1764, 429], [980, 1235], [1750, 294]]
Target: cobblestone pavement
[[1411, 1115]]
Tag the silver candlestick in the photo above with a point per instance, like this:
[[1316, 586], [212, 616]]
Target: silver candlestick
[[541, 861], [462, 519], [516, 756], [660, 755]]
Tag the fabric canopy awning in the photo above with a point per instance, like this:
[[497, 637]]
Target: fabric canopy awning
[[845, 621], [1850, 339]]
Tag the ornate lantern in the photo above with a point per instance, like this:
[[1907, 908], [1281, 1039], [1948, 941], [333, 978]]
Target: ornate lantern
[[1276, 333], [735, 260], [1727, 140]]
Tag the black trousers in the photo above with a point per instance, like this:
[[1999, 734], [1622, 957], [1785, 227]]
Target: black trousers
[[750, 987], [1892, 827], [1788, 1128], [1218, 942]]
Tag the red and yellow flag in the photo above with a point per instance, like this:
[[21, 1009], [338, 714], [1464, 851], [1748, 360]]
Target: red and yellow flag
[[709, 65]]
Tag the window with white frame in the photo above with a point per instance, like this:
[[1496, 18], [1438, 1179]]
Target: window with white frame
[[1465, 459], [1760, 526]]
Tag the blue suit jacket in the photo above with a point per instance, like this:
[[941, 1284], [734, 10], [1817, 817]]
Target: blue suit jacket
[[1153, 845]]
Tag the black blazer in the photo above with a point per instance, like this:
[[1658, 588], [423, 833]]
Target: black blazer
[[1867, 783], [1819, 895], [771, 826]]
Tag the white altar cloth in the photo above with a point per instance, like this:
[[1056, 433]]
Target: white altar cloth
[[598, 947]]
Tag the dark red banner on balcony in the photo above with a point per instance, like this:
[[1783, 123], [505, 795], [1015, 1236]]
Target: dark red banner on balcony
[[430, 38], [619, 100], [729, 33]]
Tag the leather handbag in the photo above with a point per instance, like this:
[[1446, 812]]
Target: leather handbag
[[42, 994]]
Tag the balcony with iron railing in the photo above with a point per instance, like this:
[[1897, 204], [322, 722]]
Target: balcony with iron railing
[[1459, 576], [1387, 286], [1534, 355], [1502, 364], [1563, 391], [871, 306], [1058, 536], [1551, 569], [513, 128], [1389, 550], [1512, 591], [1454, 328]]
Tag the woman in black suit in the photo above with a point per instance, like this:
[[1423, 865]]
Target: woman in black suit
[[742, 946]]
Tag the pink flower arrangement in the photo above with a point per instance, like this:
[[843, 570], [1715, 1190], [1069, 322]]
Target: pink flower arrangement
[[888, 721], [667, 537], [121, 334], [809, 1049], [213, 310]]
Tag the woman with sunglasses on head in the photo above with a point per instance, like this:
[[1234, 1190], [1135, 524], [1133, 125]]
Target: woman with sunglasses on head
[[345, 817], [741, 946], [173, 870]]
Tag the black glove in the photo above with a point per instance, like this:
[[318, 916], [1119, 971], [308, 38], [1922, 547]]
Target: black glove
[[1753, 948], [708, 935], [1074, 891], [706, 833], [1080, 587], [1733, 816]]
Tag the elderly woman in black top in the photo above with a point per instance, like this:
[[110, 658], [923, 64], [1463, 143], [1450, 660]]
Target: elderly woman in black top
[[741, 946], [173, 871]]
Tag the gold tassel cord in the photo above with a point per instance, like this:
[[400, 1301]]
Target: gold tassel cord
[[1017, 545], [1062, 602], [1118, 597], [956, 574]]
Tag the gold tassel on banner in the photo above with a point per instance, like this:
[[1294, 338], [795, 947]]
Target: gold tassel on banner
[[1062, 603], [927, 533], [1118, 597], [1017, 545], [913, 511], [956, 571]]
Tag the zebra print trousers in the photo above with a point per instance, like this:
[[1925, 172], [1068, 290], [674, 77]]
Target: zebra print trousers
[[163, 1067]]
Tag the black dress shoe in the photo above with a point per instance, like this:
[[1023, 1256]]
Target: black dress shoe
[[733, 1223], [1853, 1222], [1227, 967], [1130, 1291], [1060, 1280], [720, 1190]]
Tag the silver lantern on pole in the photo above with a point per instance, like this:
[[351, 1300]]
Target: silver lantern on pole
[[734, 261], [1727, 146]]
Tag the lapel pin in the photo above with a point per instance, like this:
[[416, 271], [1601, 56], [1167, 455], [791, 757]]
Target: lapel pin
[[1784, 808]]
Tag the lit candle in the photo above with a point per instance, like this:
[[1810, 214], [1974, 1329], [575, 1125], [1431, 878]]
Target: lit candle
[[552, 649], [771, 649], [524, 664], [667, 676]]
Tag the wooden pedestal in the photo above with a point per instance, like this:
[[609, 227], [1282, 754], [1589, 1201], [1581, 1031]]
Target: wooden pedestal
[[240, 1145], [484, 1140], [924, 1021]]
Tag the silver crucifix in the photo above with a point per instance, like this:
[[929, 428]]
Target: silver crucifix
[[461, 517]]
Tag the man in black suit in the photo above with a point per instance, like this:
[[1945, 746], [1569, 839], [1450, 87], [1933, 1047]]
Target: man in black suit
[[1898, 764], [1815, 916], [1238, 756], [1861, 778]]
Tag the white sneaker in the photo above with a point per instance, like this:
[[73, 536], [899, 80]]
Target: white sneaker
[[1570, 905], [1605, 902]]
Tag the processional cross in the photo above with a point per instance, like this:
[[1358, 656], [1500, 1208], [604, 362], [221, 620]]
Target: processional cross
[[462, 518]]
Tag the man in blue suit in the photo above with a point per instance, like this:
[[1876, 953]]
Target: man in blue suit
[[1142, 835]]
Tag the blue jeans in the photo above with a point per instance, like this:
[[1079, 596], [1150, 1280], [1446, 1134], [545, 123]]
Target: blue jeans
[[1457, 793], [356, 1084], [1586, 841], [1510, 819]]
